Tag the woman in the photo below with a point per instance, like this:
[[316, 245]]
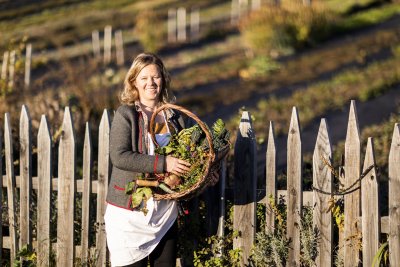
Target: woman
[[133, 238]]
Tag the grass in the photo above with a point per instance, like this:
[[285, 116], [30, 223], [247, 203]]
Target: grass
[[320, 98]]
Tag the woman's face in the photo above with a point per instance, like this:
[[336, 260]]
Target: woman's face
[[149, 83]]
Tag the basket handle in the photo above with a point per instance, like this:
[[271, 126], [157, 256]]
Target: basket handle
[[187, 112]]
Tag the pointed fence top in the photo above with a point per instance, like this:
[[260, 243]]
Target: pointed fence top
[[44, 127], [353, 131], [245, 125], [323, 139], [105, 118], [25, 113], [294, 123], [67, 126]]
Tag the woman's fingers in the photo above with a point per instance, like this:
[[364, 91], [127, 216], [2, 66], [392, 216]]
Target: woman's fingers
[[177, 166]]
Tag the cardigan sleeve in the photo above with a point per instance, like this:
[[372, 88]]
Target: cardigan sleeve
[[124, 152]]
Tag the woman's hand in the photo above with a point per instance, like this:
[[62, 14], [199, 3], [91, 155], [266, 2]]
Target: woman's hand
[[213, 178], [176, 166]]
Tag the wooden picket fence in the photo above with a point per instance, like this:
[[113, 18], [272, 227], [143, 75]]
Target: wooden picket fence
[[68, 185]]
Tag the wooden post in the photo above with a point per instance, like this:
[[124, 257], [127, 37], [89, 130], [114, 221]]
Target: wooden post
[[243, 7], [270, 183], [102, 183], [234, 11], [107, 44], [66, 193], [322, 180], [352, 199], [28, 62], [11, 70], [172, 24], [44, 158], [255, 4], [294, 188], [87, 189], [119, 48], [181, 19], [96, 44], [370, 207], [244, 208], [394, 198], [222, 188], [194, 25], [4, 66], [11, 188], [25, 137]]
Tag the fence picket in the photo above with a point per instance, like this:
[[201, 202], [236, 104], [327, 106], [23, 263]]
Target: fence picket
[[270, 183], [370, 207], [25, 140], [86, 191], [103, 177], [352, 199], [294, 188], [66, 193], [11, 188], [394, 198], [44, 144], [244, 209], [322, 180]]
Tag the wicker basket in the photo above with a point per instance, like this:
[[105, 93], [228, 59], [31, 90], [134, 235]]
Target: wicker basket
[[212, 163]]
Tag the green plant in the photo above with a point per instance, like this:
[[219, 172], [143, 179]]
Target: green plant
[[218, 251], [309, 238], [272, 247], [149, 29], [284, 28], [25, 257], [382, 253], [258, 67]]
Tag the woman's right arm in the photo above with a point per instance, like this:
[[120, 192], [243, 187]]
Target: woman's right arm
[[125, 155]]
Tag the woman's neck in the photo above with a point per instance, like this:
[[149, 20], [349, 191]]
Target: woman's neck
[[148, 107]]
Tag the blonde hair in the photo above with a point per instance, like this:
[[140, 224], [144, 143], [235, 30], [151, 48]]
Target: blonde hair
[[130, 93]]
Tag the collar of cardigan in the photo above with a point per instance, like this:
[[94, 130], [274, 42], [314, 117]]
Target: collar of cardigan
[[169, 113]]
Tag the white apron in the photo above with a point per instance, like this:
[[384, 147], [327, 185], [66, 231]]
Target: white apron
[[132, 236]]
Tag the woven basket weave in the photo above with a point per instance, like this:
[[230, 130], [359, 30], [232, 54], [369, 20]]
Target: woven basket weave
[[203, 181]]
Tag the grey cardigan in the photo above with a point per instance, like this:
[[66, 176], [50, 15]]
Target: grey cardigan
[[128, 150]]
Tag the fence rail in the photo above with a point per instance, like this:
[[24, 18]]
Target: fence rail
[[360, 192]]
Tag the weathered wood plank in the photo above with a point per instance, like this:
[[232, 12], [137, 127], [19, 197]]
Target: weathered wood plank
[[103, 178], [352, 199], [294, 187], [370, 207], [222, 204], [44, 144], [87, 176], [244, 209], [322, 180], [54, 184], [11, 188], [270, 180], [66, 193], [394, 198], [25, 154]]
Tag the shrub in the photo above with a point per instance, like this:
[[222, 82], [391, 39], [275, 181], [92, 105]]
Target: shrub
[[282, 29], [150, 30]]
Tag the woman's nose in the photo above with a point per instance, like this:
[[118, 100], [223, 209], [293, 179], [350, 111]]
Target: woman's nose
[[150, 81]]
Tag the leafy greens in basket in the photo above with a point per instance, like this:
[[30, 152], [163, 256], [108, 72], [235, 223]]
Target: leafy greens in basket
[[191, 145]]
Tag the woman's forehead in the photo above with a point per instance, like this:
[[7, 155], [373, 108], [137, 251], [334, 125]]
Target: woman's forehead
[[149, 69]]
